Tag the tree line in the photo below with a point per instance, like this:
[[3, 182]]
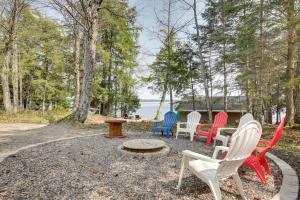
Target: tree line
[[252, 47], [87, 58]]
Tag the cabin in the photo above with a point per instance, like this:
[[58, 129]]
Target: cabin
[[236, 107]]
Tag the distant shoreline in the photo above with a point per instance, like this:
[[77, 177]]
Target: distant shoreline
[[155, 100]]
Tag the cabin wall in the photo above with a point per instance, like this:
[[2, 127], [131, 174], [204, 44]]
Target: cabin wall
[[233, 117]]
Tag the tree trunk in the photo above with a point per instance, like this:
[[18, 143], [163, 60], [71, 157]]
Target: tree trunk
[[258, 71], [15, 70], [44, 99], [77, 63], [290, 109], [297, 88], [192, 86], [21, 90], [278, 101], [90, 38], [169, 53], [203, 67], [171, 98], [248, 98], [162, 100], [4, 77], [225, 74], [269, 102]]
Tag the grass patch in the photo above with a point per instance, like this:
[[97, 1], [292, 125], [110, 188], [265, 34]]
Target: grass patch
[[34, 117]]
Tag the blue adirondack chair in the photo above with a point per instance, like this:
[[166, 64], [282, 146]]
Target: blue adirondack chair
[[169, 121]]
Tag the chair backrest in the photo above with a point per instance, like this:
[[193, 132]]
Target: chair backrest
[[193, 119], [278, 133], [245, 119], [219, 122], [169, 119], [243, 143]]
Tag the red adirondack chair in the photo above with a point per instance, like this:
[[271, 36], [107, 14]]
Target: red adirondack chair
[[219, 122], [255, 161]]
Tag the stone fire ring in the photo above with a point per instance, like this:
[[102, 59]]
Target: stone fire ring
[[144, 147]]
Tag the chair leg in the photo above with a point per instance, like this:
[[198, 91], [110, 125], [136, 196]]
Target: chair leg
[[257, 168], [215, 188], [264, 163], [192, 136], [168, 133], [215, 140], [208, 140], [239, 185], [176, 134], [184, 163]]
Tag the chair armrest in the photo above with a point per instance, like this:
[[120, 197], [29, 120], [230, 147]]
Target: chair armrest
[[200, 126], [156, 123], [197, 156], [221, 129], [263, 141], [217, 149], [180, 123], [203, 125]]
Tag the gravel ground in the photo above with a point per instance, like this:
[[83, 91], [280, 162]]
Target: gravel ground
[[91, 168]]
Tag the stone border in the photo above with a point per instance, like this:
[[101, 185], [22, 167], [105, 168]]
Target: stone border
[[288, 190], [290, 183]]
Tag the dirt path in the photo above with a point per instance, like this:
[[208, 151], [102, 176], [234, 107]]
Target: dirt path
[[15, 136]]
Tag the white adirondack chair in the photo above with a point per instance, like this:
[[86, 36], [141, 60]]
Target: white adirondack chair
[[211, 170], [193, 120], [244, 119]]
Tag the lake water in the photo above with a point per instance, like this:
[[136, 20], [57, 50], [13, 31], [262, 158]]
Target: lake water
[[148, 109]]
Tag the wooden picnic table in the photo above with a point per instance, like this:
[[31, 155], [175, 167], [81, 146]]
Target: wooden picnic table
[[115, 128]]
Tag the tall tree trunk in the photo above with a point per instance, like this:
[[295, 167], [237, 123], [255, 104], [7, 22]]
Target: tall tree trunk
[[192, 86], [269, 102], [247, 67], [110, 89], [21, 90], [90, 39], [77, 63], [248, 95], [4, 77], [258, 69], [170, 46], [203, 67], [11, 48], [297, 88], [225, 73], [171, 98], [278, 101], [290, 109], [162, 100], [15, 70]]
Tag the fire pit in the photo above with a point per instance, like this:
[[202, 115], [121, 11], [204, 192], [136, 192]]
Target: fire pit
[[144, 147]]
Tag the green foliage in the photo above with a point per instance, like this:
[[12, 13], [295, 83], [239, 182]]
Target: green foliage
[[173, 69], [44, 61], [115, 85]]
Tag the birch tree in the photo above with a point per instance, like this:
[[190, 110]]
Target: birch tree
[[86, 14], [12, 10]]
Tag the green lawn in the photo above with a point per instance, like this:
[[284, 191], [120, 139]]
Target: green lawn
[[33, 117]]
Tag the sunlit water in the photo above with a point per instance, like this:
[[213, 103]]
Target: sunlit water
[[148, 109]]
